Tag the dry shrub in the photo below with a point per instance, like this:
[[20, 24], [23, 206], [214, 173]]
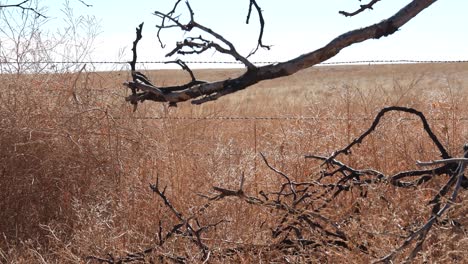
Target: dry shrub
[[77, 163]]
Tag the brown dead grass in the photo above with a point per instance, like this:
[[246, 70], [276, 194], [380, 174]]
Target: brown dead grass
[[76, 162]]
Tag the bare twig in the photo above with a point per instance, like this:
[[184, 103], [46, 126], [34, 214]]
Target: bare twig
[[163, 22], [262, 26], [312, 220], [85, 4], [21, 5], [369, 5], [290, 183], [203, 45], [162, 193]]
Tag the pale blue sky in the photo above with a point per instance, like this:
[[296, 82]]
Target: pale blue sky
[[293, 27]]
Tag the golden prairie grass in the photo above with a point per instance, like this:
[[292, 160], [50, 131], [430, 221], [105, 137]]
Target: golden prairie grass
[[76, 162]]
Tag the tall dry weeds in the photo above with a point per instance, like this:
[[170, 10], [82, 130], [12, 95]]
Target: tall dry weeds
[[77, 163]]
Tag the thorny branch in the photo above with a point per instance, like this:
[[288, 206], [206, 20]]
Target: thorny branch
[[202, 92]]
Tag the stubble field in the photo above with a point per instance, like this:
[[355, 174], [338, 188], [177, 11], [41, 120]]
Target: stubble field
[[77, 164]]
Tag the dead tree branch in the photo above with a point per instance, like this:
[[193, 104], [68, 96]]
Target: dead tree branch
[[199, 93], [262, 26], [377, 119], [422, 232], [136, 97], [304, 219], [186, 227], [369, 6], [453, 167], [199, 45], [163, 22]]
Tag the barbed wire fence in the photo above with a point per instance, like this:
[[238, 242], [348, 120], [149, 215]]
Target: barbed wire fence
[[396, 61], [248, 118], [254, 125]]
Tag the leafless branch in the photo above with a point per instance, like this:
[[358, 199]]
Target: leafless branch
[[209, 91], [453, 167], [422, 232], [310, 219], [369, 5], [24, 8], [289, 182], [138, 37], [262, 26], [132, 63], [163, 22], [354, 174], [85, 4], [376, 121], [193, 233], [162, 193], [199, 47]]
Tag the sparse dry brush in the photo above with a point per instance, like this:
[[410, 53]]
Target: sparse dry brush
[[77, 165], [310, 168]]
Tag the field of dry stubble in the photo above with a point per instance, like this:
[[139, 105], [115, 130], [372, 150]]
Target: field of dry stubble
[[76, 166]]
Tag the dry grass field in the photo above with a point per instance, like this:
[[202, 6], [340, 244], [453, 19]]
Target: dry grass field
[[76, 166]]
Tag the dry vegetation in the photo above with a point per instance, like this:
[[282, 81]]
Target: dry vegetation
[[76, 164]]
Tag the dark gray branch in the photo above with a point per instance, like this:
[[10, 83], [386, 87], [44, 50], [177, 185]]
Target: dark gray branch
[[369, 5], [204, 92], [262, 26], [444, 154], [163, 22], [200, 47]]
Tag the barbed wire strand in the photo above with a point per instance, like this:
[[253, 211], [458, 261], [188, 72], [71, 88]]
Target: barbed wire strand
[[233, 118], [235, 62], [291, 118]]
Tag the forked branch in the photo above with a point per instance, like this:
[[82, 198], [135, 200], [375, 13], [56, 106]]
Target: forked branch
[[24, 8], [377, 119], [421, 233], [260, 44], [452, 167], [198, 45]]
